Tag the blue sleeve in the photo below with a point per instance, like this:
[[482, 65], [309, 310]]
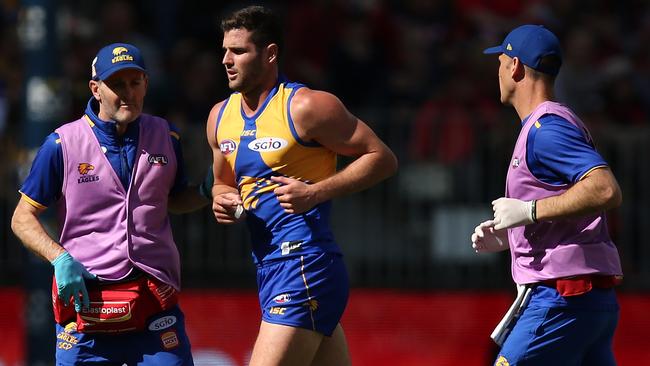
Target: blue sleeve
[[559, 152], [180, 183], [45, 179]]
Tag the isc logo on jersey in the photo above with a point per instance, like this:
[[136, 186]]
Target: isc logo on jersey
[[266, 144]]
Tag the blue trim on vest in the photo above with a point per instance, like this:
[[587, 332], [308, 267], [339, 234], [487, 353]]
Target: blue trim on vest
[[219, 115], [251, 119], [292, 126]]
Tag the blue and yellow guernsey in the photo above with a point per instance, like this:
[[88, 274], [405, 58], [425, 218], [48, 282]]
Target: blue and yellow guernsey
[[265, 145]]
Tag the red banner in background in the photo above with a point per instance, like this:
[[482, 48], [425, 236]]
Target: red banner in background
[[221, 325], [390, 327], [12, 326], [383, 327], [415, 328]]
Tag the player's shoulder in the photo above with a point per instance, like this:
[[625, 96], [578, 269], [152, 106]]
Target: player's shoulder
[[311, 102], [52, 141], [50, 150], [551, 119], [174, 131], [52, 138], [553, 126], [553, 133], [306, 95], [217, 106], [216, 109]]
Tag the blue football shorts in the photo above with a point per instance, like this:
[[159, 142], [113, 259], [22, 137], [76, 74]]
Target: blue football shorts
[[563, 331], [163, 342], [308, 291]]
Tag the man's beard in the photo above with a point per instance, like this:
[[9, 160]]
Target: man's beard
[[247, 83]]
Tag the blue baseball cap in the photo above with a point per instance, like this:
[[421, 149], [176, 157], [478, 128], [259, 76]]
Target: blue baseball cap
[[530, 43], [116, 57]]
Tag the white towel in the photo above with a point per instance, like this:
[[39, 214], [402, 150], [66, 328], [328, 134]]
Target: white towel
[[500, 333]]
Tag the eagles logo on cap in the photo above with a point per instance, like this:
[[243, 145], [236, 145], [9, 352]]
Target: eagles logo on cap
[[119, 50], [116, 57], [531, 43]]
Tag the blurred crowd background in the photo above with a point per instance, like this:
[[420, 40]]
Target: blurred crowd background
[[412, 69]]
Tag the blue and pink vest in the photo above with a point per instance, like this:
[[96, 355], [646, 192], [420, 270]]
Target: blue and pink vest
[[555, 249], [107, 228]]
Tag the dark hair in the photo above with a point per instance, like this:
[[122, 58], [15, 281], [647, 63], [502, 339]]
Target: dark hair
[[263, 24], [548, 67]]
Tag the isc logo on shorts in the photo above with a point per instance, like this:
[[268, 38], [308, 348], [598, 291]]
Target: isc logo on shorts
[[277, 310]]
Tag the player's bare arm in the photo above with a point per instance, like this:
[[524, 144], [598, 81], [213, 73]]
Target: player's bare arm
[[597, 191], [225, 194], [321, 117], [30, 231]]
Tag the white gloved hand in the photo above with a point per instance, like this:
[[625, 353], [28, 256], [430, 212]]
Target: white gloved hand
[[511, 212], [486, 239]]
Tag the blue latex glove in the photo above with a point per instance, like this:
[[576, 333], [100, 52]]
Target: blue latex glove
[[70, 276]]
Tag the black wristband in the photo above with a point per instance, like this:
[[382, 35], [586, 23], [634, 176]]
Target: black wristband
[[533, 210]]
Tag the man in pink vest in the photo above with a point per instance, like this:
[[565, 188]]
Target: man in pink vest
[[552, 218], [113, 174]]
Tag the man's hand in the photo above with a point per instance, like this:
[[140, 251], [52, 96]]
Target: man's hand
[[69, 275], [486, 239], [511, 212], [227, 208], [295, 196]]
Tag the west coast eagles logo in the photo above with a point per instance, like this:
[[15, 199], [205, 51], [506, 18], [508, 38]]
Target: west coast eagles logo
[[119, 50], [84, 169], [65, 338], [119, 57]]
